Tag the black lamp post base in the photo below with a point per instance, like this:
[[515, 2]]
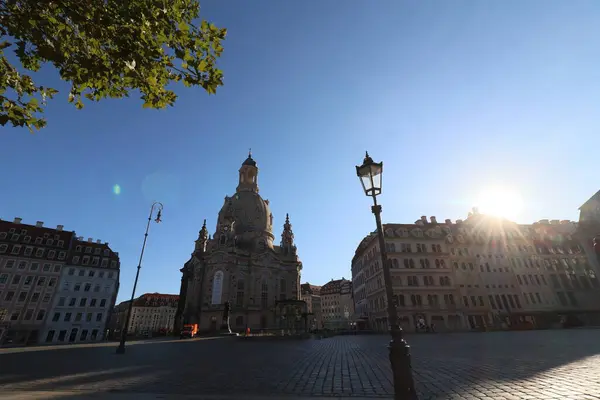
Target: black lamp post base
[[121, 349], [404, 387]]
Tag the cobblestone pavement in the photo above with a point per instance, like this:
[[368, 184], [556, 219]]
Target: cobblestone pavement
[[562, 364]]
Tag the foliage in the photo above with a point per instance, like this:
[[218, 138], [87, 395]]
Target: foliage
[[104, 48]]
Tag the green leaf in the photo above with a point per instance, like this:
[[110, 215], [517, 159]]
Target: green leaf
[[104, 50]]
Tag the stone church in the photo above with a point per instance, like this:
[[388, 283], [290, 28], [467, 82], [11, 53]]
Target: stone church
[[241, 264]]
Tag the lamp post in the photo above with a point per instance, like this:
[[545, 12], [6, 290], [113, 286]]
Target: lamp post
[[159, 207], [370, 174]]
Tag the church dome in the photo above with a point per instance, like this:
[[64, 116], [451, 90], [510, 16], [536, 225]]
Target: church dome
[[249, 211]]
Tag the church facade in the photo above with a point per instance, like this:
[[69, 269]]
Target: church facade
[[240, 264]]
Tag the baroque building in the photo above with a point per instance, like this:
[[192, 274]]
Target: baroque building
[[240, 264], [481, 273], [337, 304]]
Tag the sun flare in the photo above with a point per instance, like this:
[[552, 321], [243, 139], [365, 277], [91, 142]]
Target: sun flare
[[500, 202]]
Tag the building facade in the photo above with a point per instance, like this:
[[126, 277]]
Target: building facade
[[480, 273], [31, 260], [87, 290], [241, 265], [151, 314], [337, 304], [311, 295]]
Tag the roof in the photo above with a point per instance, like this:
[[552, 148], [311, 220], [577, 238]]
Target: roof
[[594, 199], [307, 288], [156, 300], [96, 253], [335, 286]]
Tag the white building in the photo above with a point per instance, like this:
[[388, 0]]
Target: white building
[[87, 290], [153, 313]]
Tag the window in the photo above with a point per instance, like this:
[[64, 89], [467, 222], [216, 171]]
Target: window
[[72, 301], [102, 302], [67, 317], [41, 281], [22, 264], [101, 274], [46, 267], [39, 252], [35, 297], [84, 334], [99, 317], [78, 249], [61, 301], [86, 260], [110, 274], [78, 317], [38, 240], [95, 261], [94, 334], [41, 315], [93, 303], [96, 288], [52, 282], [49, 242], [71, 271], [61, 336], [87, 287], [62, 255], [3, 248], [104, 263], [46, 298], [28, 314], [56, 267], [50, 336], [16, 279], [15, 315], [3, 278], [73, 335], [88, 317], [91, 274], [56, 317], [480, 299], [88, 249], [51, 254], [28, 251], [240, 292], [61, 243], [22, 297], [77, 287], [81, 272], [82, 302], [16, 250]]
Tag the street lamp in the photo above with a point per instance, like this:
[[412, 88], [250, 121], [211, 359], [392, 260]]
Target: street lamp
[[159, 207], [370, 174]]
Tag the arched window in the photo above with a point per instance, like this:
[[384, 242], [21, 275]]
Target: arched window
[[217, 287]]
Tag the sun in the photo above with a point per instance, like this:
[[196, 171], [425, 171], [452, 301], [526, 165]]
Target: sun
[[500, 202]]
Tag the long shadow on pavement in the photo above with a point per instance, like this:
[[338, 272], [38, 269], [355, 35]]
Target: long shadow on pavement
[[348, 365]]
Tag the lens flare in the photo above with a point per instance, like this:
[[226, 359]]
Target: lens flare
[[117, 189]]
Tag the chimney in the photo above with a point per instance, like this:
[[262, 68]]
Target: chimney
[[459, 221], [90, 240], [17, 220], [433, 220], [419, 222], [39, 224], [424, 219], [59, 228], [80, 238], [448, 222], [98, 241]]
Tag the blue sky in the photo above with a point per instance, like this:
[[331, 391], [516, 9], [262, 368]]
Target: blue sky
[[454, 97]]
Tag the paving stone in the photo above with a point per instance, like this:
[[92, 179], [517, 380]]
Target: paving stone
[[531, 365]]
